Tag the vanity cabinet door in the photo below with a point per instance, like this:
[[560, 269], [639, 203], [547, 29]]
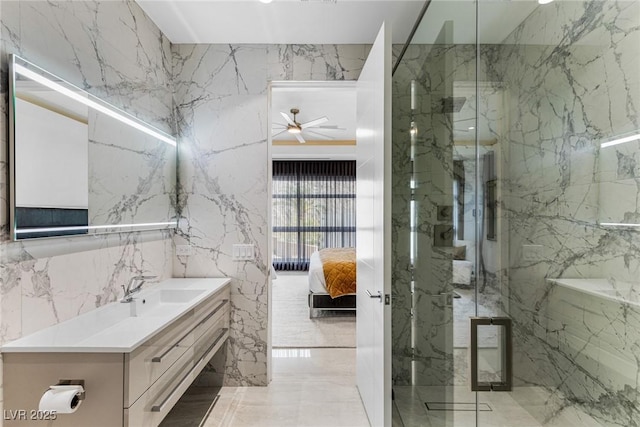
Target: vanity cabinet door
[[216, 314], [152, 359], [157, 401], [155, 404]]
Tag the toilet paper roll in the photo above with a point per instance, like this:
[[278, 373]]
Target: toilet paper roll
[[63, 399]]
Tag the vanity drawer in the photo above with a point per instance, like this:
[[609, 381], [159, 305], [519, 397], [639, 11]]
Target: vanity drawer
[[218, 317], [204, 309], [152, 359], [155, 404]]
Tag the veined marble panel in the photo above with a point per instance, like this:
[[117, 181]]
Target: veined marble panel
[[316, 62], [571, 74], [222, 109], [113, 50]]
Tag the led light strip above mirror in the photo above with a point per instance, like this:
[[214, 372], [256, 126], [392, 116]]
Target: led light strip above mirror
[[111, 112]]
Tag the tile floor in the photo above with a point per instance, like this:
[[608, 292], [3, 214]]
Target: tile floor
[[523, 407], [310, 387], [317, 387]]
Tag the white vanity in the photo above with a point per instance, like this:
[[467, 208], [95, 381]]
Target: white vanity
[[136, 358]]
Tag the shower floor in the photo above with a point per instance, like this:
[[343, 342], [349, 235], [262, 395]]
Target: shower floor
[[455, 406]]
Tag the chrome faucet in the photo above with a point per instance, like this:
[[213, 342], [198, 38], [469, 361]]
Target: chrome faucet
[[130, 289]]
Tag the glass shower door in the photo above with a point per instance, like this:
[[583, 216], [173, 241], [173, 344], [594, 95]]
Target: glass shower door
[[435, 216], [446, 228], [516, 139]]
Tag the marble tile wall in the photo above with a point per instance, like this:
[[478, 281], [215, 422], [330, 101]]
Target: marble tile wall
[[113, 50], [222, 109], [571, 75]]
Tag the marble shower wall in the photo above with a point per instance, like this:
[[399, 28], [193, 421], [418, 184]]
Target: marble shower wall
[[114, 51], [224, 175], [571, 73]]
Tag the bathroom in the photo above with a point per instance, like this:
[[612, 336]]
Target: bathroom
[[553, 204], [115, 51]]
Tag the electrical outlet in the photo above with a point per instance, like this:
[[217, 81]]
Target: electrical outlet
[[183, 250], [532, 252]]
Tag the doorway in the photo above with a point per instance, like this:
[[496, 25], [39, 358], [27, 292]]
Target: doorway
[[313, 194]]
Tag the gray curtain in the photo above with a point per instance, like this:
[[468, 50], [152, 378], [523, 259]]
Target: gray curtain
[[314, 207]]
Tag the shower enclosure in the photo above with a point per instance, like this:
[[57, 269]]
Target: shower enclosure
[[516, 215]]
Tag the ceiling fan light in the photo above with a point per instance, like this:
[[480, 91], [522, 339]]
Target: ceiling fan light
[[293, 130]]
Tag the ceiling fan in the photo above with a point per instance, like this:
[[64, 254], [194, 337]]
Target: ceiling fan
[[295, 128]]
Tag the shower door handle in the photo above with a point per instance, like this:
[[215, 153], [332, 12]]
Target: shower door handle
[[507, 354]]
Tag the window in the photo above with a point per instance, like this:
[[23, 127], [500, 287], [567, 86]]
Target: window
[[314, 207]]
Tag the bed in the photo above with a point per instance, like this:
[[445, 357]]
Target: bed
[[341, 294]]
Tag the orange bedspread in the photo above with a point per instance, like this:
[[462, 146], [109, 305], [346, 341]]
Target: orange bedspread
[[339, 267]]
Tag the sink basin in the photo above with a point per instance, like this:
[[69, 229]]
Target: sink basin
[[158, 302], [179, 295]]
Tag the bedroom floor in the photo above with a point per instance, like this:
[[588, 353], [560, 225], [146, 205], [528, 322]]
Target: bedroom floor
[[292, 326]]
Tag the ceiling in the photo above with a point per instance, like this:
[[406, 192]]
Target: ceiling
[[337, 102], [333, 22], [330, 21], [282, 21]]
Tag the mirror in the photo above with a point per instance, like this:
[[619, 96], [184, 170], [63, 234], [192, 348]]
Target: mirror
[[79, 165]]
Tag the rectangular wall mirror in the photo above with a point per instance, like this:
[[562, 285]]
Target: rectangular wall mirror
[[79, 165]]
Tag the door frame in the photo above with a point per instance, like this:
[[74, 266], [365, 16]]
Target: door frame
[[271, 85]]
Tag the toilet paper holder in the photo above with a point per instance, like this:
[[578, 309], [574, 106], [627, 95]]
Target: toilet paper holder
[[63, 398], [80, 395]]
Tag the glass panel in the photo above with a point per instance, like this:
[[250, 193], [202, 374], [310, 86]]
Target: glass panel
[[434, 167], [538, 191], [566, 204]]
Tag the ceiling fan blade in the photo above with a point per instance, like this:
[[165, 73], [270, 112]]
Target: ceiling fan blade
[[279, 133], [320, 135], [287, 118], [315, 122], [279, 125], [299, 138]]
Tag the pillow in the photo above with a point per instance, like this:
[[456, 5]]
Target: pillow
[[460, 252]]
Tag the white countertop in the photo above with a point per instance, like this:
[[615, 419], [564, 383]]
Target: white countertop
[[121, 327]]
